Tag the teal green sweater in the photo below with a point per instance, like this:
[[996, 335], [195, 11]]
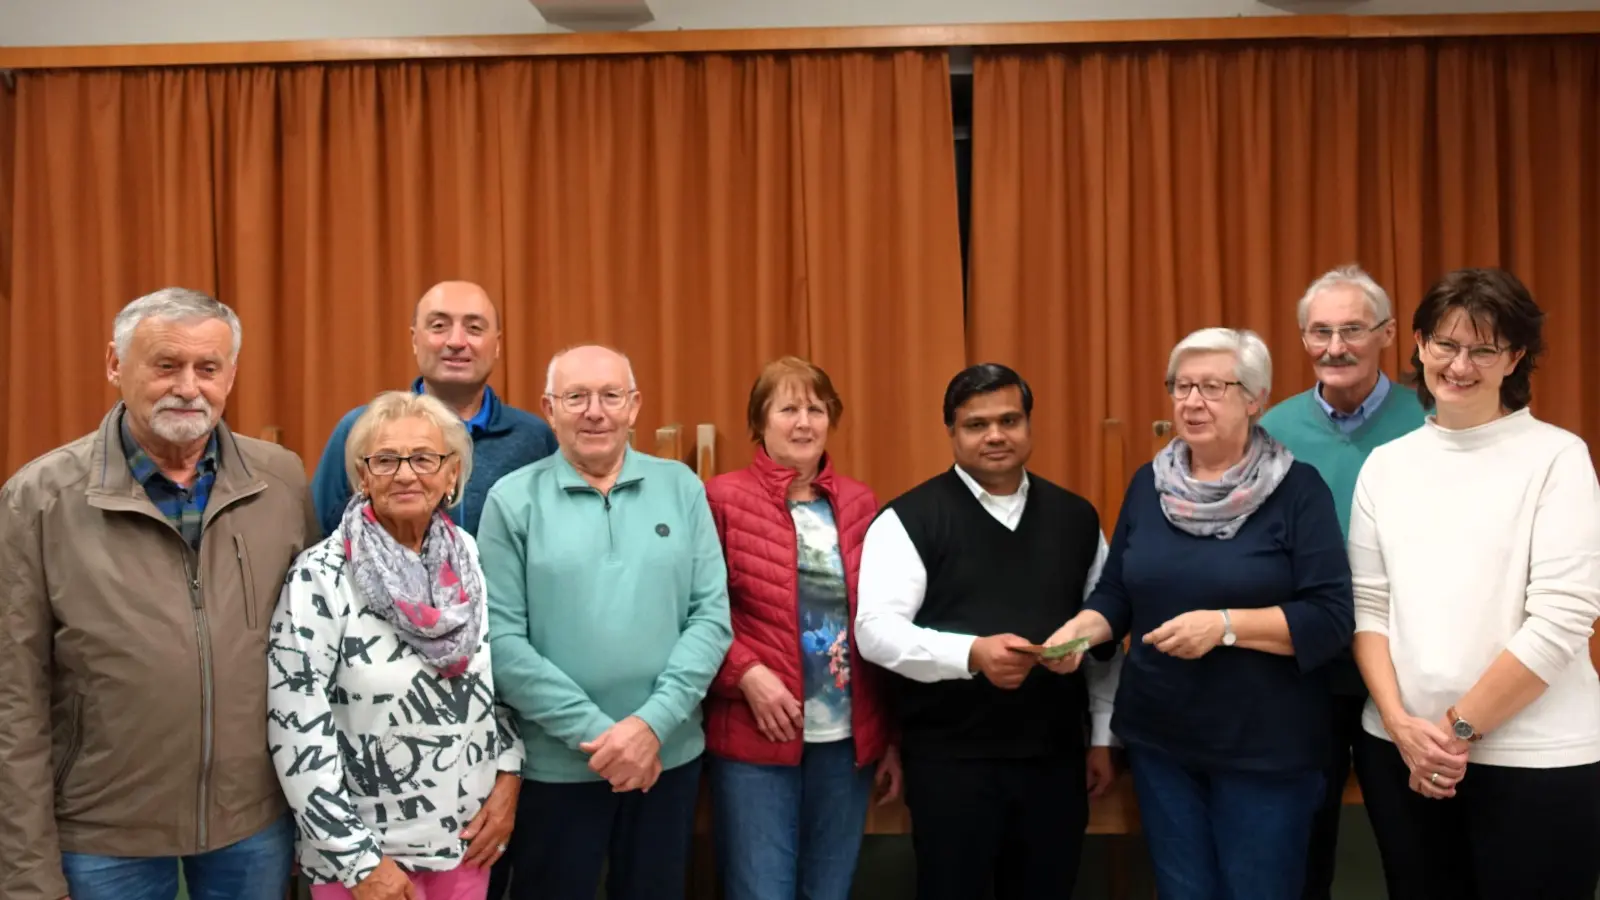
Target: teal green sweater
[[1301, 424], [603, 606]]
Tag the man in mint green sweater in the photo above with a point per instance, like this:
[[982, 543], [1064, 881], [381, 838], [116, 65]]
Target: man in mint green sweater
[[608, 620], [1345, 324]]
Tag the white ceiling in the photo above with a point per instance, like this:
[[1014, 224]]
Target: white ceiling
[[65, 22]]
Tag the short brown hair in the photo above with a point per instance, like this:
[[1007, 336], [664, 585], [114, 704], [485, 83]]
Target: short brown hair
[[1500, 307], [787, 370]]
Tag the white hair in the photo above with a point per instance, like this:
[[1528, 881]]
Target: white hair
[[393, 406], [1252, 363], [550, 370], [1351, 276], [173, 304]]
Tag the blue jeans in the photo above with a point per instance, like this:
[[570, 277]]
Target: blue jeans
[[256, 868], [1224, 835], [787, 832]]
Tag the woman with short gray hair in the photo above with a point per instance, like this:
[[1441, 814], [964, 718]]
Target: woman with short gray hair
[[401, 768], [1228, 568]]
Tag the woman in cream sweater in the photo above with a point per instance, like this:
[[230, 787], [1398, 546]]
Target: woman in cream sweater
[[1475, 556]]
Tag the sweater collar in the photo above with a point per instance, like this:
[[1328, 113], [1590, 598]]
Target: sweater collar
[[777, 477], [1485, 435], [487, 418]]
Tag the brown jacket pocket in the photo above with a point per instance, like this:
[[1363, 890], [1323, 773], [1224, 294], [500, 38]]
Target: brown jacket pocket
[[69, 751], [247, 578]]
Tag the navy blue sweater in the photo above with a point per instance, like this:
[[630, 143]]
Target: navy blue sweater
[[504, 439], [1232, 709]]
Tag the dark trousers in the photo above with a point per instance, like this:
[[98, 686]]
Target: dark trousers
[[1324, 849], [1224, 834], [500, 876], [1508, 832], [568, 833], [1015, 826]]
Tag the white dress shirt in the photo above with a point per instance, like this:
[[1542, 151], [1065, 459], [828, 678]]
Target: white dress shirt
[[890, 590]]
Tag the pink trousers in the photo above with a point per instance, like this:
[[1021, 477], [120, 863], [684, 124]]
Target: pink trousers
[[461, 883]]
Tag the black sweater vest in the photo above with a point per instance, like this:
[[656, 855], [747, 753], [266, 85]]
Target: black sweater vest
[[984, 579]]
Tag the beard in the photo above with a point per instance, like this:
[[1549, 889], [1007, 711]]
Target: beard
[[182, 429]]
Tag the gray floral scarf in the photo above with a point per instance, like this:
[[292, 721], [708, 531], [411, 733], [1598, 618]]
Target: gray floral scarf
[[1219, 508], [434, 600]]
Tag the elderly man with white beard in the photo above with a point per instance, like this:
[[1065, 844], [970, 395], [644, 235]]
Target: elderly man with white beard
[[141, 566]]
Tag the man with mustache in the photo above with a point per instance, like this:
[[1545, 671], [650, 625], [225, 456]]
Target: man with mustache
[[1345, 325], [455, 334], [141, 566], [961, 577]]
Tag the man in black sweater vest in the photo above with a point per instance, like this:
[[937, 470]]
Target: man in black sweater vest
[[961, 578]]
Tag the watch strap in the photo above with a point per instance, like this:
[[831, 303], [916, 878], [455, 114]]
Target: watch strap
[[1453, 718]]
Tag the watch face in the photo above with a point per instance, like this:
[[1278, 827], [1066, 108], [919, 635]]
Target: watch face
[[1228, 639], [1462, 729]]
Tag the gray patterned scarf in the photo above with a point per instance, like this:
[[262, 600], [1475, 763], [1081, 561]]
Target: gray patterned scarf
[[434, 600], [1219, 508]]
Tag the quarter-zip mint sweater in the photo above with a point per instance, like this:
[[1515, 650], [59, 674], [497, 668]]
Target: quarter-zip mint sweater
[[603, 606]]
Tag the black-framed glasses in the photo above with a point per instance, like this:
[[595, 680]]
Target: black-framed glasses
[[1445, 351], [1209, 389], [578, 401], [1322, 335], [424, 463]]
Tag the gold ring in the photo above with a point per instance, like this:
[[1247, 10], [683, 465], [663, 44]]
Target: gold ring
[[1434, 778]]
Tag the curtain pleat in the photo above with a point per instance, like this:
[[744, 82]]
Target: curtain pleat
[[1125, 196], [685, 209]]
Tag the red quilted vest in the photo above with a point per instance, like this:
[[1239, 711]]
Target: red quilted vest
[[758, 540]]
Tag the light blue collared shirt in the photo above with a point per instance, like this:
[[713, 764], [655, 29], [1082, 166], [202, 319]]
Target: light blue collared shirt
[[1350, 422]]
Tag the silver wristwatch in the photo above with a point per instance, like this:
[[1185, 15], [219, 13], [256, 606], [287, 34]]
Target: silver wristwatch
[[1228, 637]]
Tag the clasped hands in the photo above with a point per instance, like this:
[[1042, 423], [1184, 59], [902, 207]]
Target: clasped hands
[[628, 754], [1436, 759]]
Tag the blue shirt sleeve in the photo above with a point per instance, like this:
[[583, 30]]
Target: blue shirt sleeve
[[1321, 615], [330, 486], [1110, 596]]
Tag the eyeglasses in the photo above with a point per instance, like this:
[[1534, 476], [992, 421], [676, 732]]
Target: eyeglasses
[[1446, 351], [424, 463], [578, 401], [1210, 390], [1322, 335]]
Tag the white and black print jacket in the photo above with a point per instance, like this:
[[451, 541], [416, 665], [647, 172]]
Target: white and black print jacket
[[377, 753]]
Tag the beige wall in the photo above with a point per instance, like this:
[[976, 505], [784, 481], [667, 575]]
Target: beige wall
[[57, 22]]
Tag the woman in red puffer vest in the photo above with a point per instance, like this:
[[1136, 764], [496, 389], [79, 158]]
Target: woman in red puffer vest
[[796, 722]]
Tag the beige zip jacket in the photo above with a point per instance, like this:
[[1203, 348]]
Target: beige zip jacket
[[133, 673]]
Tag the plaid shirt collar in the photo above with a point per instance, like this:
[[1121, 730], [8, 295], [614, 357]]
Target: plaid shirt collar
[[145, 470], [183, 508]]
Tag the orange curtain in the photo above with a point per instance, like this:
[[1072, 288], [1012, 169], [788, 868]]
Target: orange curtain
[[342, 193], [8, 109], [682, 208], [710, 213], [113, 199], [1124, 196]]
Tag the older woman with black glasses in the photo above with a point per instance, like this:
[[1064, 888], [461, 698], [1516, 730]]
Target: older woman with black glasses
[[402, 769], [1475, 549], [1228, 567]]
